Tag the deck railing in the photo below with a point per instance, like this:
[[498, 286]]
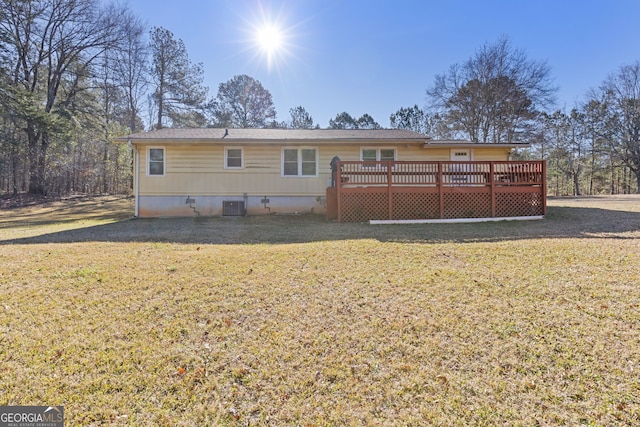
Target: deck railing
[[365, 190]]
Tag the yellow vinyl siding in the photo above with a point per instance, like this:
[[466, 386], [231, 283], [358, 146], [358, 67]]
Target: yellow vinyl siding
[[491, 154], [198, 169], [417, 154], [195, 160], [436, 154]]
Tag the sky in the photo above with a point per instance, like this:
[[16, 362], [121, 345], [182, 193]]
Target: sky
[[376, 56]]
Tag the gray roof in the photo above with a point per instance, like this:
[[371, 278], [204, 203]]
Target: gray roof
[[210, 134], [300, 136], [460, 143]]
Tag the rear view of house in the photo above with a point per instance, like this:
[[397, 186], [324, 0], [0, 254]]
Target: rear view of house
[[214, 172]]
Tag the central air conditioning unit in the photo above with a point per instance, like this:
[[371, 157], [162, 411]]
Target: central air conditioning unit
[[232, 208]]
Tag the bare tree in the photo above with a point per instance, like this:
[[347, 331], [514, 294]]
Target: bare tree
[[615, 109], [131, 71], [601, 162], [568, 144], [493, 96]]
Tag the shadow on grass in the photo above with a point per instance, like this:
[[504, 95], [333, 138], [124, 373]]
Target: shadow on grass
[[560, 222], [42, 213]]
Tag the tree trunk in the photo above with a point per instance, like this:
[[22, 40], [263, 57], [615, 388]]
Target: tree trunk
[[105, 170], [41, 188], [160, 106], [36, 162], [14, 169]]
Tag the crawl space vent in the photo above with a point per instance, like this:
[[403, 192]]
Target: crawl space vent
[[233, 208]]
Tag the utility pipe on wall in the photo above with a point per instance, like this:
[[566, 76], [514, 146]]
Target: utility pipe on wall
[[136, 181]]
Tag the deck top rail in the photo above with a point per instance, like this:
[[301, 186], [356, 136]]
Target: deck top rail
[[447, 173]]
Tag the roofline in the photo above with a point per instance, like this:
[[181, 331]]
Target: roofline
[[262, 141], [469, 144], [425, 141]]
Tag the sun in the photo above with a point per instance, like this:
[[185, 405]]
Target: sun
[[270, 38]]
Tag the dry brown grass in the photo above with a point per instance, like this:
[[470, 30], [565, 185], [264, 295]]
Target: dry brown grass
[[300, 321]]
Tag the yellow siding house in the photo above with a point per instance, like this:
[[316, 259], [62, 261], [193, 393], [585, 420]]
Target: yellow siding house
[[213, 172]]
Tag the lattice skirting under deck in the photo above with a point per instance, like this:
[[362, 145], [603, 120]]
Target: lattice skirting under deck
[[364, 204]]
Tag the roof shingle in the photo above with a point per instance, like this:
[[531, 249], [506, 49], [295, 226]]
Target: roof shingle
[[297, 136], [275, 134]]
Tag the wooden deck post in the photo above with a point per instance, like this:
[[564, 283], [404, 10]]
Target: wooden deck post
[[492, 190], [338, 178], [389, 191], [544, 187], [440, 190]]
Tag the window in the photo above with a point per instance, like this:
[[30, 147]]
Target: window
[[299, 162], [155, 161], [387, 154], [377, 154], [233, 158], [370, 155]]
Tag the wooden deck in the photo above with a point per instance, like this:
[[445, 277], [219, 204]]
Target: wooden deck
[[363, 191]]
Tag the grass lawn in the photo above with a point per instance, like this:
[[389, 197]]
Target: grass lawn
[[295, 320]]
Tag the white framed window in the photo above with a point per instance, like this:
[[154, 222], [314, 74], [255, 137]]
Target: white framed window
[[233, 158], [375, 154], [301, 161], [156, 161]]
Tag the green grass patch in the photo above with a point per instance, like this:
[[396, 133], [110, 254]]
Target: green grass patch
[[300, 321]]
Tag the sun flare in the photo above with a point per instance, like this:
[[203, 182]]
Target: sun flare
[[269, 38]]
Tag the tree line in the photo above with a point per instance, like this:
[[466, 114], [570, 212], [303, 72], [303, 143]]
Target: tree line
[[500, 95], [74, 74]]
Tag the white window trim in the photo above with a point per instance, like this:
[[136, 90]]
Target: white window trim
[[164, 161], [241, 157], [299, 149], [378, 150]]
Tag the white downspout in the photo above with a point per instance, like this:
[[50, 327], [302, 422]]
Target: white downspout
[[136, 183]]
